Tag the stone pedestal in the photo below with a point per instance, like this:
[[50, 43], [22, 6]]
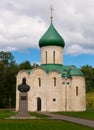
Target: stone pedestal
[[23, 105]]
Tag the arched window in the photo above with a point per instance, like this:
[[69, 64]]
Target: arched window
[[77, 91], [46, 56], [54, 57], [38, 104], [39, 81], [54, 81]]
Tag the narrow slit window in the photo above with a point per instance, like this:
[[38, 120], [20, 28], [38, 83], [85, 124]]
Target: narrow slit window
[[46, 56], [54, 81], [76, 91], [39, 82], [54, 57]]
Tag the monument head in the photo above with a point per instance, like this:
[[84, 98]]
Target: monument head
[[23, 87]]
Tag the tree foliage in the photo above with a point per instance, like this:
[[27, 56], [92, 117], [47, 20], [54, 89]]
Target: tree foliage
[[8, 70], [25, 65], [89, 76]]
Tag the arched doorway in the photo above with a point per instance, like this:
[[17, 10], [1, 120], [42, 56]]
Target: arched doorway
[[38, 104]]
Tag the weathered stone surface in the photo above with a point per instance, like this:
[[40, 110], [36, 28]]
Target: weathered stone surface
[[50, 49]]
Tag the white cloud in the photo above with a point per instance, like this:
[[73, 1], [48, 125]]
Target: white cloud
[[22, 23], [8, 49], [19, 31], [77, 49]]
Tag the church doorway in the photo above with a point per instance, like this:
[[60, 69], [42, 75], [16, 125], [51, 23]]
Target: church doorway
[[38, 104]]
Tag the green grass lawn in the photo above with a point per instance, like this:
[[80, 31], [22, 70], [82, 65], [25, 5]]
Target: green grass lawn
[[85, 115], [90, 100], [40, 125], [6, 113]]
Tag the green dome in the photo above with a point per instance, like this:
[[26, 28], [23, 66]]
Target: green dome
[[51, 38], [75, 72]]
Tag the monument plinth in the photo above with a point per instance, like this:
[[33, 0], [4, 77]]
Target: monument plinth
[[23, 99]]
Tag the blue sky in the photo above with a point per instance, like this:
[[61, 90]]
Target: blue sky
[[23, 22], [32, 55]]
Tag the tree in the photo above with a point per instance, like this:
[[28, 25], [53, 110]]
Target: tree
[[2, 81], [8, 70], [25, 65], [6, 58], [89, 76], [11, 84], [35, 65]]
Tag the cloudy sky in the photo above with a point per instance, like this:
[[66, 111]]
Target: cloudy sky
[[23, 22]]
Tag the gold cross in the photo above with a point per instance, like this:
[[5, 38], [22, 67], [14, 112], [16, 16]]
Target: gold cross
[[51, 7]]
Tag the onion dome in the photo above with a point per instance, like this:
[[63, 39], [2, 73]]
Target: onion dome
[[51, 38]]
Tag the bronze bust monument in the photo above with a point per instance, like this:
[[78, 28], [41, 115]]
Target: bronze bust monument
[[23, 87]]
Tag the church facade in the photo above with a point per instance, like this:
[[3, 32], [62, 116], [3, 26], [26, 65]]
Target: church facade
[[53, 86]]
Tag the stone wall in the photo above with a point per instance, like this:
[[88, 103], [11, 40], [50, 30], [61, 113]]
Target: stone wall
[[59, 95], [78, 102]]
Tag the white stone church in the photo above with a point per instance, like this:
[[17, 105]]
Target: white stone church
[[53, 86]]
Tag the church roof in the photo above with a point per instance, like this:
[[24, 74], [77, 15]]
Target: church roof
[[75, 72], [51, 38], [66, 71], [54, 67]]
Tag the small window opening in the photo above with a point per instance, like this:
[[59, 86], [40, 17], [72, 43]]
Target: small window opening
[[46, 56], [54, 99], [76, 91], [68, 83], [39, 81], [54, 57], [54, 81]]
